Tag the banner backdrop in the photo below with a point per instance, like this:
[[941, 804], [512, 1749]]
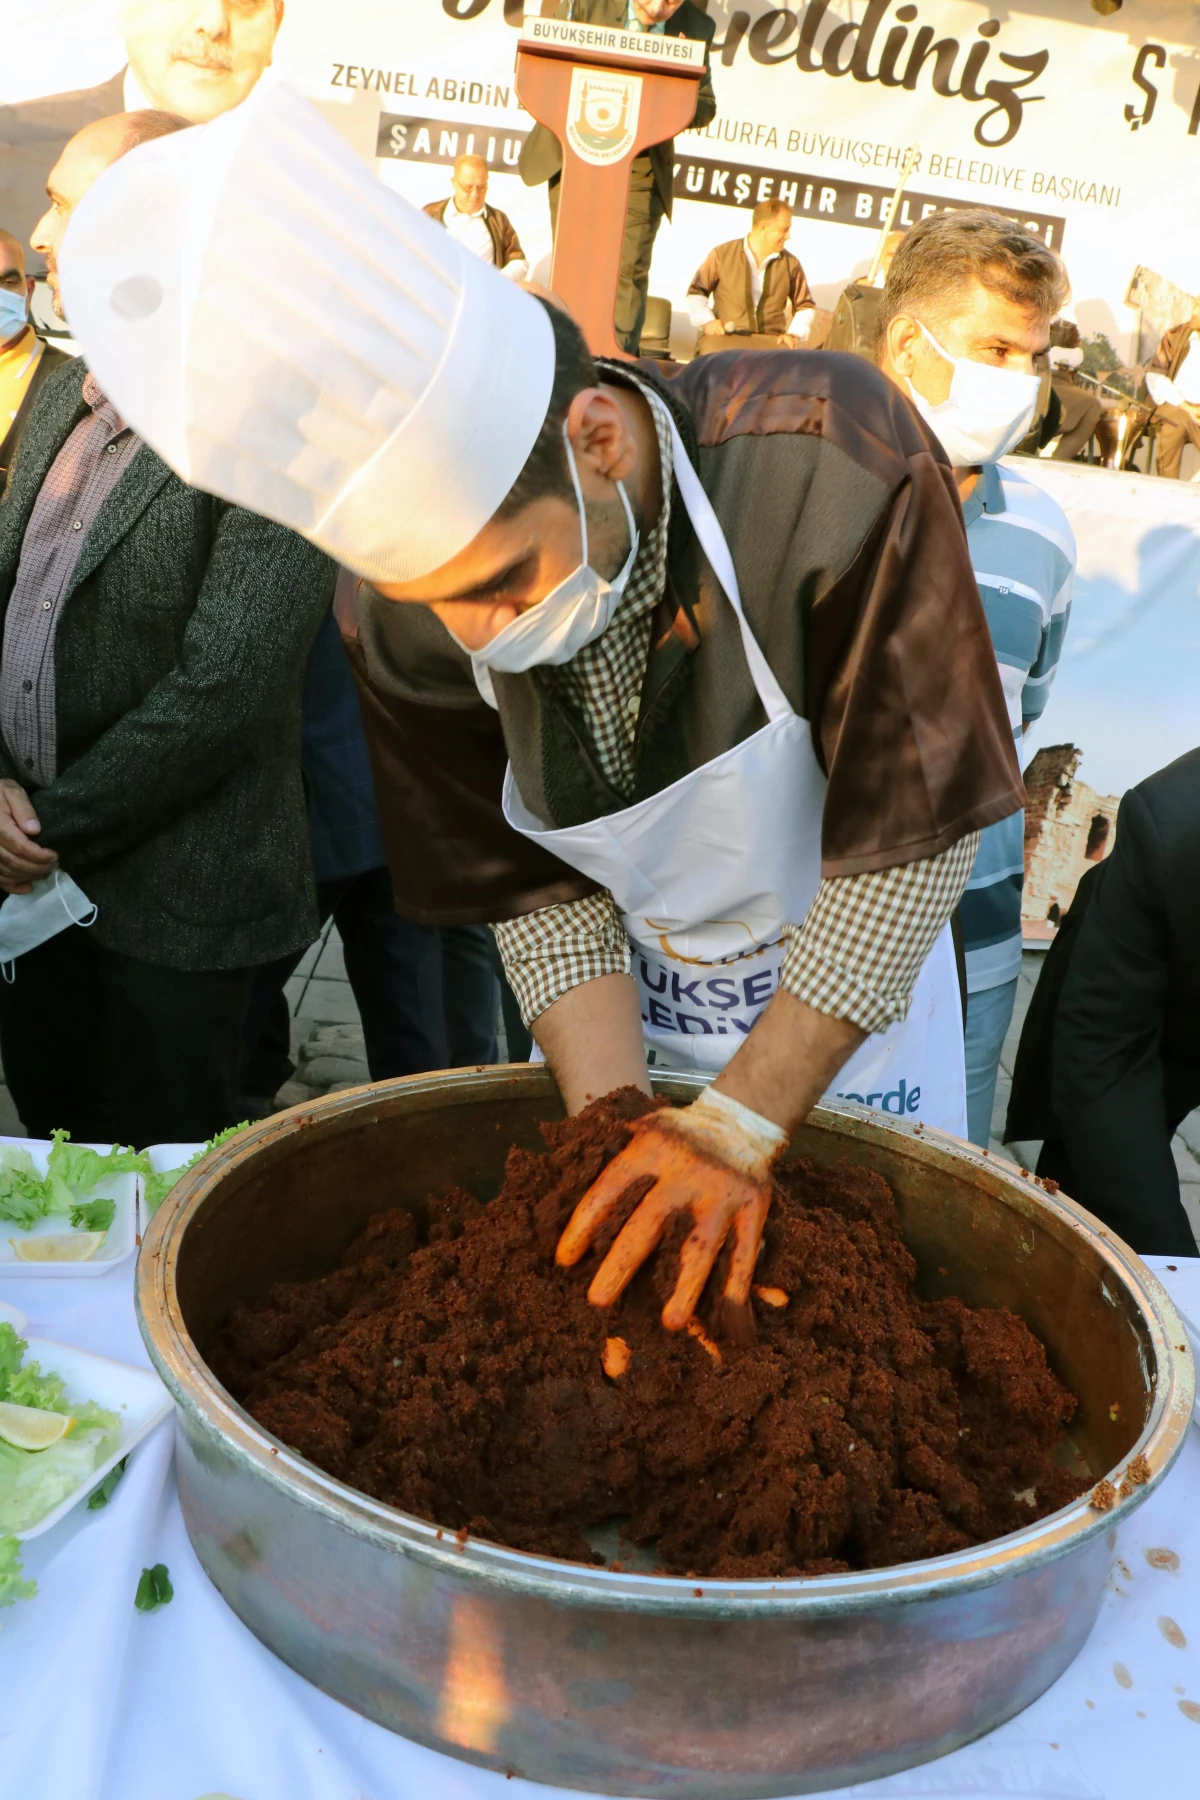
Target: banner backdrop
[[1084, 127], [1124, 702]]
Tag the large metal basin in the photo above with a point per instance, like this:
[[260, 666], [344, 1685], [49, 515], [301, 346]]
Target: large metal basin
[[621, 1683]]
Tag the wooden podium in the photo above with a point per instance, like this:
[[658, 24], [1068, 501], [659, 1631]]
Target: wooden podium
[[607, 95]]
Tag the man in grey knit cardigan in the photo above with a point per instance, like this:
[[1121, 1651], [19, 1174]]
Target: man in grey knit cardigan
[[154, 642]]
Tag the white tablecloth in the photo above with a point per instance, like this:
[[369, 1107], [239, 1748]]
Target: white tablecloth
[[99, 1702]]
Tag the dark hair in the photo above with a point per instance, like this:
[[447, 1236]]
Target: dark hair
[[940, 255], [769, 209], [546, 472]]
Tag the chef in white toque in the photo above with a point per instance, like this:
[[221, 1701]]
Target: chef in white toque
[[728, 622]]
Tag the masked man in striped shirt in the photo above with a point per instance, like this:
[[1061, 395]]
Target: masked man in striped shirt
[[966, 309]]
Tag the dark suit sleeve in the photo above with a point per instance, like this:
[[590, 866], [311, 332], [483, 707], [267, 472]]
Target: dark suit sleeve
[[706, 99], [262, 599], [1108, 1086]]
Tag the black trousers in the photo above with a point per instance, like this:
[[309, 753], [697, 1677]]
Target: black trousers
[[426, 995], [1150, 1218], [116, 1050], [1081, 412]]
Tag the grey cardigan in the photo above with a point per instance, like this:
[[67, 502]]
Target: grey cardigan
[[178, 805]]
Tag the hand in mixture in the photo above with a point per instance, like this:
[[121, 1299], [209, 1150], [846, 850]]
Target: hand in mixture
[[712, 1159]]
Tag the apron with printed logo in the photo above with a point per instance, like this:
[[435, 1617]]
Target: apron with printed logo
[[707, 872]]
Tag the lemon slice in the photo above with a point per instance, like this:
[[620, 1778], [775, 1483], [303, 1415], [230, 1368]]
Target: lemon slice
[[29, 1428], [58, 1246]]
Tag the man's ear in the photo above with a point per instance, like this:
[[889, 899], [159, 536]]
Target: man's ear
[[901, 341], [30, 288], [601, 439]]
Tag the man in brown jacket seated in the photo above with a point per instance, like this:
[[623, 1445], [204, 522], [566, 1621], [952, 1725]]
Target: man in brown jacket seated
[[483, 229], [752, 288], [1173, 383]]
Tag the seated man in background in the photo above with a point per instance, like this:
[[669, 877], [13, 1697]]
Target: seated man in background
[[1080, 407], [752, 289], [482, 229], [652, 174], [854, 326], [154, 642], [1109, 1059], [972, 291], [26, 360], [1173, 383]]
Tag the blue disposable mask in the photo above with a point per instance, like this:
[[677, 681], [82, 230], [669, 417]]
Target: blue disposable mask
[[13, 312]]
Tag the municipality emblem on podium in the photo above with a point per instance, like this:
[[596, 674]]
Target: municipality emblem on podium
[[602, 115]]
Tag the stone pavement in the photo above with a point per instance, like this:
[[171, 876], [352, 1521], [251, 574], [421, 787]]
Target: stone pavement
[[327, 1048]]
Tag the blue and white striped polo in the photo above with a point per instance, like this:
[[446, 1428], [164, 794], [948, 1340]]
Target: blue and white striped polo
[[1023, 553]]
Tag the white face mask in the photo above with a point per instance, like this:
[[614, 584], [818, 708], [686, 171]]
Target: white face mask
[[27, 920], [987, 411], [571, 615]]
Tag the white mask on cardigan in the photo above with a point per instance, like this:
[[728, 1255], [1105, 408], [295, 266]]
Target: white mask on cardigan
[[27, 920]]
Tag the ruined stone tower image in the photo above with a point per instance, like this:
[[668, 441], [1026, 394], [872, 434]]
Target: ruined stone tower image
[[1068, 826]]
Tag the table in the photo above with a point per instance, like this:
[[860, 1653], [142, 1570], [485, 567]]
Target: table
[[105, 1703]]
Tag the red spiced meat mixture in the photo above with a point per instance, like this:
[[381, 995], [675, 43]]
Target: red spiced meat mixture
[[462, 1377]]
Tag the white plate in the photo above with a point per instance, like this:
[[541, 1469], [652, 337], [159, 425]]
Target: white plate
[[119, 1243], [136, 1395], [165, 1156]]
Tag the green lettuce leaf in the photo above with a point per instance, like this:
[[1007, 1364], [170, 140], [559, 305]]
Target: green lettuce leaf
[[32, 1482], [79, 1169], [12, 1349], [103, 1492], [159, 1182], [72, 1171], [93, 1215], [154, 1589], [24, 1194], [27, 1386], [12, 1587]]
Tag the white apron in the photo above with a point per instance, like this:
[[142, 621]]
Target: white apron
[[707, 872]]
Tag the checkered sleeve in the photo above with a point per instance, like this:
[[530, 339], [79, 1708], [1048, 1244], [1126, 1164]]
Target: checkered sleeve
[[860, 949], [560, 947]]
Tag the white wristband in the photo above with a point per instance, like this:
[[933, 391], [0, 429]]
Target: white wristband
[[729, 1132]]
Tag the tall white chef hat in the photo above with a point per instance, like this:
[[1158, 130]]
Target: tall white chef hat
[[290, 334]]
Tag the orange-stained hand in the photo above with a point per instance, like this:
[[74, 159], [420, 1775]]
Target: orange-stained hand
[[712, 1160]]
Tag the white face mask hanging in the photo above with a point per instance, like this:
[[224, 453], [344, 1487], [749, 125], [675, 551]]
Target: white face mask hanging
[[987, 411], [571, 615], [27, 920]]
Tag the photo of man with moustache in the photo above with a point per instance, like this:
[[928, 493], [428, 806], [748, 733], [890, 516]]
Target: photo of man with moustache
[[194, 58]]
